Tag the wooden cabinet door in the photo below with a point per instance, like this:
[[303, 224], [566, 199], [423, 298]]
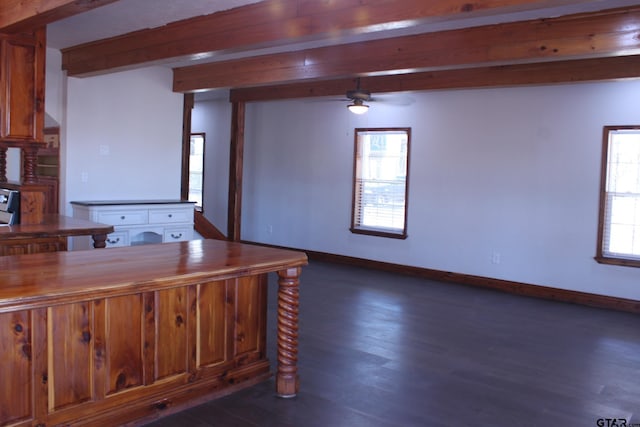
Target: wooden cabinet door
[[250, 316], [16, 387], [212, 335], [23, 389], [22, 73]]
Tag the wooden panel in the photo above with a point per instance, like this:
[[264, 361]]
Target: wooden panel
[[212, 325], [124, 359], [23, 60], [32, 204], [171, 337], [248, 315], [104, 328], [506, 75], [33, 246], [18, 15], [70, 355], [16, 388], [276, 22], [40, 363], [597, 35], [187, 108], [149, 347], [236, 166]]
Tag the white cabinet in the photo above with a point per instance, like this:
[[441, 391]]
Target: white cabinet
[[138, 222]]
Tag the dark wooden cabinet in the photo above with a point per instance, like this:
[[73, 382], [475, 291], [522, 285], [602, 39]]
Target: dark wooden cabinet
[[22, 79]]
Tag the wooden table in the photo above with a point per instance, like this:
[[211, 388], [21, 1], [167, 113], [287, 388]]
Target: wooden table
[[129, 334], [50, 235]]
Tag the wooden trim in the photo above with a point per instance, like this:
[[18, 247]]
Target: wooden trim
[[374, 231], [187, 107], [24, 15], [186, 171], [234, 217], [603, 183], [582, 70], [617, 261], [205, 228], [563, 38], [604, 159], [518, 288], [377, 233], [275, 23]]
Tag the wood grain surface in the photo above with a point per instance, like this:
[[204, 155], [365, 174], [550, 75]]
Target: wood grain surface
[[115, 336], [41, 279]]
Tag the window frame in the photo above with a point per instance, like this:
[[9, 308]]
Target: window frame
[[381, 231], [602, 257], [187, 165]]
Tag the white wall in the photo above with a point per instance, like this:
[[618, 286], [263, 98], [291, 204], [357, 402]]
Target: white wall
[[513, 171], [122, 137], [54, 88], [213, 117]]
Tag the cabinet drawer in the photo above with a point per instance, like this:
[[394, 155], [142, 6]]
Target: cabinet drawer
[[178, 234], [117, 239], [123, 217], [168, 216]]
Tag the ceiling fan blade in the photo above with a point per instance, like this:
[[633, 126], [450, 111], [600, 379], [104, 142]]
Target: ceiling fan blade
[[325, 99], [397, 99]]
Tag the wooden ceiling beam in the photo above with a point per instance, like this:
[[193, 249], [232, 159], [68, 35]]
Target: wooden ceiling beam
[[581, 70], [25, 15], [275, 23], [571, 37]]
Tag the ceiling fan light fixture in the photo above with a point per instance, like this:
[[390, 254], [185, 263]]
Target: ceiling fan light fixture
[[358, 107]]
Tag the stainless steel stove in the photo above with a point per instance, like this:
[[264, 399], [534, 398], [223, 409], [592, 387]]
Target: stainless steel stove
[[9, 207]]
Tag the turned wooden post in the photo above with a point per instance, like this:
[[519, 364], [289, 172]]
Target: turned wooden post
[[3, 164], [287, 381], [99, 241], [30, 159]]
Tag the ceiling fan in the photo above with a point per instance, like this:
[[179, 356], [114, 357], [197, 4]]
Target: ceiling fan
[[359, 96]]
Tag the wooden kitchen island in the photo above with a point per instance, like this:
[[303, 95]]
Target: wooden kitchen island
[[126, 335]]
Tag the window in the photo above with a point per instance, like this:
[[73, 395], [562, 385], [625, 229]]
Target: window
[[380, 185], [619, 228], [196, 168]]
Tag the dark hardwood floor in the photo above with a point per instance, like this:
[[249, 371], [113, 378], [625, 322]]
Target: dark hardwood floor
[[379, 349]]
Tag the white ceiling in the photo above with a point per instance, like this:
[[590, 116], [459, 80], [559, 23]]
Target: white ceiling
[[125, 16]]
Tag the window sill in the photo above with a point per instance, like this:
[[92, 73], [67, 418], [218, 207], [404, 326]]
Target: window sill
[[379, 233], [624, 262]]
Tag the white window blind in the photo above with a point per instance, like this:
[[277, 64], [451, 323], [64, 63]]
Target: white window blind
[[621, 222], [196, 168], [380, 182]]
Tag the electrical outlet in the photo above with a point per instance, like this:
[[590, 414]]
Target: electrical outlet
[[84, 177], [495, 257]]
